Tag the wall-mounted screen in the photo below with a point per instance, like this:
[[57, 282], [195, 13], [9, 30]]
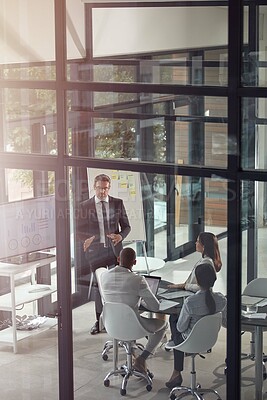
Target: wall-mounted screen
[[26, 227]]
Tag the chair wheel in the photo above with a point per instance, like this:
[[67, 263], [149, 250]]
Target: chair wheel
[[122, 371], [123, 392], [173, 397], [105, 357], [107, 382], [148, 388]]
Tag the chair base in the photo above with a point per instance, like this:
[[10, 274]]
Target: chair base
[[197, 392], [127, 373], [127, 370], [194, 389], [109, 346]]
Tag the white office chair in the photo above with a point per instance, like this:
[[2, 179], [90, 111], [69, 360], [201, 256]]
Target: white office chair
[[256, 288], [202, 337], [109, 343], [122, 324]]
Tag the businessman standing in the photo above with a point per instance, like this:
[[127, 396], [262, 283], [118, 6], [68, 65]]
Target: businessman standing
[[102, 226]]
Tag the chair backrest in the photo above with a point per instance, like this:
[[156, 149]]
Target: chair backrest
[[121, 322], [256, 288], [98, 274], [203, 335]]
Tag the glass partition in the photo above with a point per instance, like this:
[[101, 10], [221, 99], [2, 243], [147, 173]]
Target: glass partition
[[165, 212], [163, 128], [177, 50], [253, 372], [28, 283], [28, 39], [254, 41], [29, 121], [254, 123], [209, 67]]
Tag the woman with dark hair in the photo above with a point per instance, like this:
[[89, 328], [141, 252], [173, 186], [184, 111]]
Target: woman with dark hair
[[207, 245], [202, 303]]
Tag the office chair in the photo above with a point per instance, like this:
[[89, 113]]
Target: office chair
[[256, 288], [202, 337], [123, 325], [109, 343]]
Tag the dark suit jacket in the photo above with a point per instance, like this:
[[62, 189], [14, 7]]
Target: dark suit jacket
[[87, 223]]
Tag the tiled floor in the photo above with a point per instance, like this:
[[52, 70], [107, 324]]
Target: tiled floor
[[33, 372], [210, 371], [90, 369]]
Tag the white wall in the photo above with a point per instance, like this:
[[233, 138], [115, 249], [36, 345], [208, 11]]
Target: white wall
[[137, 30], [27, 30]]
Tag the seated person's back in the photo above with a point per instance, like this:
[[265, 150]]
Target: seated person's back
[[121, 285]]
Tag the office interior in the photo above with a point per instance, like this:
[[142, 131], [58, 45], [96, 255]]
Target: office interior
[[173, 93]]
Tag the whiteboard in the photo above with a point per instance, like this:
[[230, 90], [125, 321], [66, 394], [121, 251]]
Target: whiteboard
[[125, 185]]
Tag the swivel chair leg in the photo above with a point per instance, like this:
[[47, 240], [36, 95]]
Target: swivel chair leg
[[127, 370], [194, 389]]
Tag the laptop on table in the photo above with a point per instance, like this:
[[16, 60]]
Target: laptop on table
[[154, 282]]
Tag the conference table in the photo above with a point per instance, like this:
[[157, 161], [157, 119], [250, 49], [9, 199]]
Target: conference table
[[178, 301], [148, 264]]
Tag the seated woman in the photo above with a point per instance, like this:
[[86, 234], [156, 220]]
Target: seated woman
[[207, 245], [202, 303]]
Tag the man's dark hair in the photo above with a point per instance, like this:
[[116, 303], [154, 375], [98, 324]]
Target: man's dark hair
[[102, 178], [127, 257]]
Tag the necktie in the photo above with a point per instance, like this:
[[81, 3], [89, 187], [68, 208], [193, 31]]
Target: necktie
[[105, 220]]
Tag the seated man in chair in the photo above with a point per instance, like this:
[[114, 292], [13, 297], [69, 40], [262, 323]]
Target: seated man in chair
[[121, 285]]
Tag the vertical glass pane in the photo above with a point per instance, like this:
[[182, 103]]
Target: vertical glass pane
[[254, 42], [29, 121], [28, 35], [253, 267], [28, 284], [200, 204], [216, 205], [254, 133], [75, 24], [146, 198]]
